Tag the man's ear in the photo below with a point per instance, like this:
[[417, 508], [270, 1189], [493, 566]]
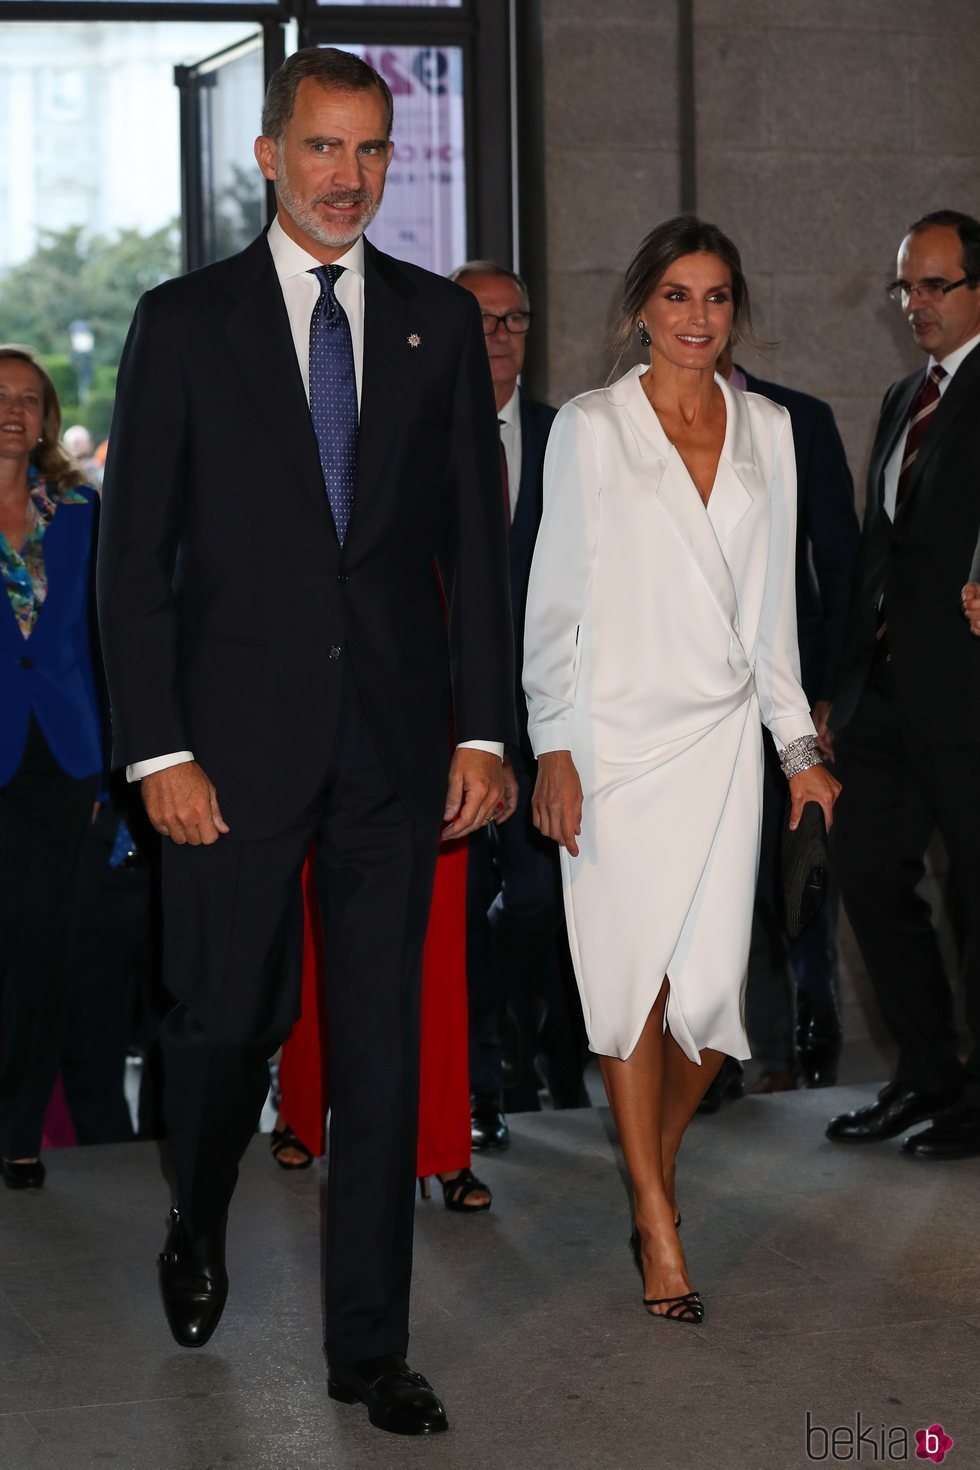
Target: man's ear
[[266, 156]]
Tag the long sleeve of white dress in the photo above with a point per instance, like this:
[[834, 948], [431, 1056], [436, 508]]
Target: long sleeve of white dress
[[777, 672], [561, 575]]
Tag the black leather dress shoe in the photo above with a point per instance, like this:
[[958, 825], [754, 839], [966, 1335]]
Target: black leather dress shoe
[[397, 1399], [819, 1059], [193, 1282], [488, 1126], [23, 1176], [954, 1135], [896, 1108]]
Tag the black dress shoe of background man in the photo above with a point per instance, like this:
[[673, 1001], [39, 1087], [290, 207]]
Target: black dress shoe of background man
[[896, 1108], [488, 1126], [193, 1281], [954, 1135], [397, 1399]]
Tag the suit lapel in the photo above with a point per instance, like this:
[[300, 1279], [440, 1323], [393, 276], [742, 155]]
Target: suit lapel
[[525, 519], [389, 361], [961, 394], [889, 435], [258, 332]]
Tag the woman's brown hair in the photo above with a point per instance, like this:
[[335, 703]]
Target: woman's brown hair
[[50, 458]]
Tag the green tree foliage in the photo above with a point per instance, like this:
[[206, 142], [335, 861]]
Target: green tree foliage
[[73, 276]]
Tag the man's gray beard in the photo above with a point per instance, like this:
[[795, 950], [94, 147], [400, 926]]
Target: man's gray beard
[[307, 218]]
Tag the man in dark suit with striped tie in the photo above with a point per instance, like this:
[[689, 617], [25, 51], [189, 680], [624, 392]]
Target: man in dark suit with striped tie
[[281, 678], [906, 713]]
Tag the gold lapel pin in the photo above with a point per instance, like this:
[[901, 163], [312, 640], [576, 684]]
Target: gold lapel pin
[[414, 340]]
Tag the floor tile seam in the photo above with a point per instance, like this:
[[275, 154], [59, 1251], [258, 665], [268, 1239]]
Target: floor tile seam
[[25, 1322], [192, 1395], [741, 1332]]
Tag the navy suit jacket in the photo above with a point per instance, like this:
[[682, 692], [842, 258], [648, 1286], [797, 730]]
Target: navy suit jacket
[[49, 674], [536, 421], [827, 534], [228, 608]]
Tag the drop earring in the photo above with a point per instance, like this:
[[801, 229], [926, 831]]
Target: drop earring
[[645, 339]]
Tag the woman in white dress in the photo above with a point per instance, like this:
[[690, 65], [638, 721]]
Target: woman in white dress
[[660, 635]]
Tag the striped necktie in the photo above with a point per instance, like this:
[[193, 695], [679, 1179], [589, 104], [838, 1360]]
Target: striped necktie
[[924, 405]]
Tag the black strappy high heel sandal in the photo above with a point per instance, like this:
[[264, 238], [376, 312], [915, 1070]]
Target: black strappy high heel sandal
[[283, 1138], [456, 1191], [686, 1308]]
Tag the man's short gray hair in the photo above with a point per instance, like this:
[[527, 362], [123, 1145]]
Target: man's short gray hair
[[489, 268]]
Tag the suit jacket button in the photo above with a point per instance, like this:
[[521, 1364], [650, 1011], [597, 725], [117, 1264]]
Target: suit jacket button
[[335, 651], [27, 663], [342, 577]]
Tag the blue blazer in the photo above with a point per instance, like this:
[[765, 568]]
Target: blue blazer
[[827, 534], [536, 421], [50, 673]]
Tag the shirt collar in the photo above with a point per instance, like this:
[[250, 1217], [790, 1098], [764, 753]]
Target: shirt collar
[[953, 360], [511, 411], [291, 259]]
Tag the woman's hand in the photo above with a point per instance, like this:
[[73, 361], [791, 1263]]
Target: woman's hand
[[556, 806], [816, 784]]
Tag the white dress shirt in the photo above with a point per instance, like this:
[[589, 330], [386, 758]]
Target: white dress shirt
[[509, 418], [301, 291], [894, 464]]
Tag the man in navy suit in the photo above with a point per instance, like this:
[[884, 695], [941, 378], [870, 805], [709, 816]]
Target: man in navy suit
[[512, 868], [827, 541], [280, 676]]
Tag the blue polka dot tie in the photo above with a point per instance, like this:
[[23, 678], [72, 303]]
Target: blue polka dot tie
[[333, 396]]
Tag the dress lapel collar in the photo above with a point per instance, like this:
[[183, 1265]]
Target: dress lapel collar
[[701, 529]]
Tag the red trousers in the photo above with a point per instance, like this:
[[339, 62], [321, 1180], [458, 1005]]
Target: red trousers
[[444, 1098]]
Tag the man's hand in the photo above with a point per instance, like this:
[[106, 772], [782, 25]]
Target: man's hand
[[507, 805], [815, 784], [476, 786], [820, 715], [182, 804], [556, 805], [971, 607]]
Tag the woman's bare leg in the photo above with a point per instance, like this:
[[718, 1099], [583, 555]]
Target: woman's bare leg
[[685, 1084], [635, 1089]]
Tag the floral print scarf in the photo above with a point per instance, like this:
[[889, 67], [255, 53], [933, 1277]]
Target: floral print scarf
[[23, 571]]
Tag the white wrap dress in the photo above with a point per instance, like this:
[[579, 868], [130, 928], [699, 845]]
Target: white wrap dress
[[659, 633]]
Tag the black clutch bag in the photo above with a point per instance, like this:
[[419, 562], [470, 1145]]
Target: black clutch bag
[[805, 868]]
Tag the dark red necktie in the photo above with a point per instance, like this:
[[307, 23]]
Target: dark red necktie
[[924, 405], [505, 477]]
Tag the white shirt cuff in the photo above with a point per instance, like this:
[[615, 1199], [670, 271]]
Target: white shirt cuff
[[492, 747], [139, 769]]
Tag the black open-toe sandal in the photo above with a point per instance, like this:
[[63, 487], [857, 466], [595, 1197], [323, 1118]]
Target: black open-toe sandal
[[686, 1308], [284, 1137], [456, 1192]]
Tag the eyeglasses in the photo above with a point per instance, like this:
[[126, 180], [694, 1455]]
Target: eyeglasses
[[931, 290], [516, 322]]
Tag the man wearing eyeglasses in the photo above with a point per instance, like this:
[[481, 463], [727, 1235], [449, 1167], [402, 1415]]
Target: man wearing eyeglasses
[[907, 706], [514, 901]]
